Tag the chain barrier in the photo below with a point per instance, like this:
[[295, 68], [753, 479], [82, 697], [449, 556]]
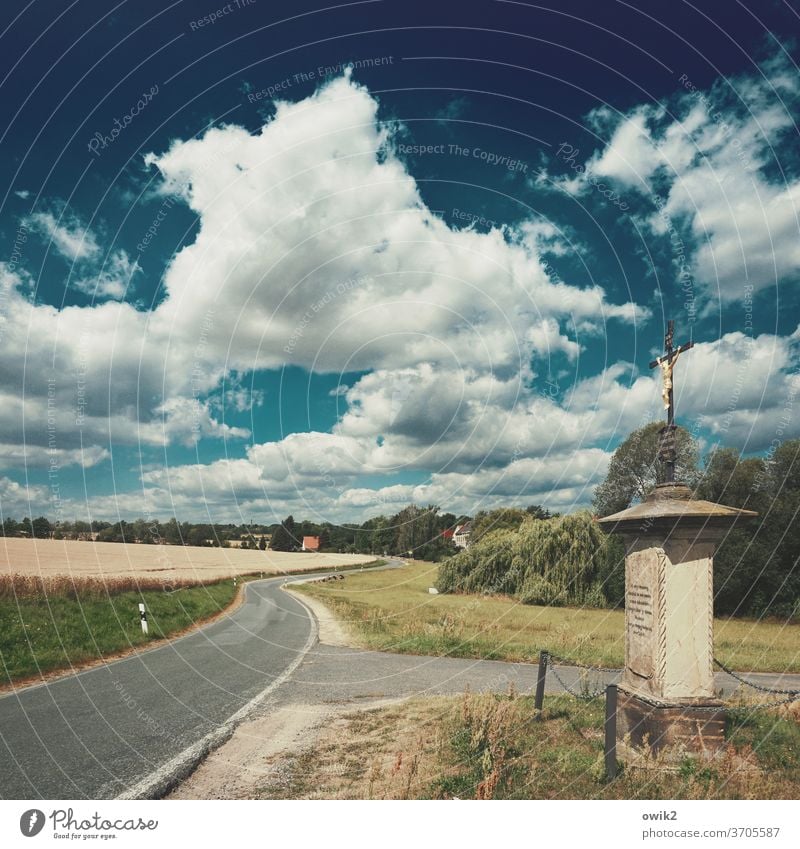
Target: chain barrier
[[552, 661], [584, 697], [569, 662], [729, 706], [759, 687]]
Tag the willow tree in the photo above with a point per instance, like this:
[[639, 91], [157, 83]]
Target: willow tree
[[560, 561], [482, 568], [564, 560]]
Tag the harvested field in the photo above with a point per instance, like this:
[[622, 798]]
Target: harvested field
[[164, 563]]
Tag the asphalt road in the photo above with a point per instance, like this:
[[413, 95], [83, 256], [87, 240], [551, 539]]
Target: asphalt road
[[134, 726], [98, 733]]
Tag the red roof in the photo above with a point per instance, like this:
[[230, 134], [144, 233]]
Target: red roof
[[447, 533], [311, 543]]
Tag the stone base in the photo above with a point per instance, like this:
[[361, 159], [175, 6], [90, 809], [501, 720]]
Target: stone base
[[651, 734]]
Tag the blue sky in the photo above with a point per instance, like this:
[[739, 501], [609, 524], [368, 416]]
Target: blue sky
[[330, 261]]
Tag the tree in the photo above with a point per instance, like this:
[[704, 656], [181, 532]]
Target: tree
[[729, 479], [289, 525], [635, 468], [197, 535], [119, 532], [171, 532], [563, 560], [10, 527], [756, 563], [142, 531], [538, 512], [41, 528], [419, 530], [283, 538], [502, 519]]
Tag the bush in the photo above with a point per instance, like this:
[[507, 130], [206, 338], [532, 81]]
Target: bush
[[484, 567], [563, 560]]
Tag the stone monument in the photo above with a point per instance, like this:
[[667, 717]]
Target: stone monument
[[666, 696]]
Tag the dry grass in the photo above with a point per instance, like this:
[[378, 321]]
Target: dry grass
[[15, 587], [372, 754], [167, 562], [490, 747], [393, 611]]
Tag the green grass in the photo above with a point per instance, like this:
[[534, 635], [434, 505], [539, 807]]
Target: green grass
[[40, 633], [393, 611]]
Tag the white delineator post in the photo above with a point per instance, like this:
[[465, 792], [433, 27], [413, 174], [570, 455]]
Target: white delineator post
[[143, 617]]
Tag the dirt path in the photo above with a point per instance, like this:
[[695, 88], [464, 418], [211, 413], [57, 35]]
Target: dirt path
[[258, 755]]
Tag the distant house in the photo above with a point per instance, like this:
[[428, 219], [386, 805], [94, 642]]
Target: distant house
[[310, 543], [447, 533], [248, 541], [461, 535]]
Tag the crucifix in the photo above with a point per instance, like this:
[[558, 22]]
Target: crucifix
[[667, 449]]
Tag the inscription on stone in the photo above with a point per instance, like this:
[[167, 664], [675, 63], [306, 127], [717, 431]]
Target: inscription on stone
[[640, 603], [641, 606]]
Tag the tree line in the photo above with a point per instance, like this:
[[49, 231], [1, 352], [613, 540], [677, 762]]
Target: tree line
[[415, 531], [756, 564], [568, 560]]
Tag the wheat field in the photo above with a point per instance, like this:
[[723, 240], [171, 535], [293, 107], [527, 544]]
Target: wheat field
[[165, 563]]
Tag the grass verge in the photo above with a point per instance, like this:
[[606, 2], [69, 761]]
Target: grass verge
[[59, 622], [490, 747], [393, 611]]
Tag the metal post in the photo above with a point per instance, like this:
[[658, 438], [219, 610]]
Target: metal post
[[611, 732], [544, 659], [143, 617]]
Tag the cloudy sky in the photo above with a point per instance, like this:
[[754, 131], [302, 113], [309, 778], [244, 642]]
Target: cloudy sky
[[333, 260]]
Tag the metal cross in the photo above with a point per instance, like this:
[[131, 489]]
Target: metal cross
[[666, 361]]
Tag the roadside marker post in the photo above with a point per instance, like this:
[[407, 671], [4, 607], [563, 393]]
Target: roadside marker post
[[611, 732], [541, 675], [143, 617]]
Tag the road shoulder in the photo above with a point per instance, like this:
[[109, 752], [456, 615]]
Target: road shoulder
[[332, 631], [258, 757]]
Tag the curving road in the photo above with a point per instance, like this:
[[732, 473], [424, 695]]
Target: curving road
[[134, 727], [111, 730]]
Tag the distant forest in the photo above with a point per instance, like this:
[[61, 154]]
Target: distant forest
[[542, 558], [418, 532]]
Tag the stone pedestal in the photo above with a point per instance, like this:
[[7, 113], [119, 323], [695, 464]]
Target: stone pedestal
[[647, 730], [666, 695]]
